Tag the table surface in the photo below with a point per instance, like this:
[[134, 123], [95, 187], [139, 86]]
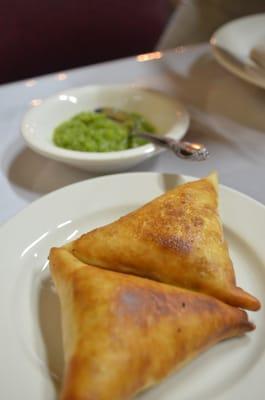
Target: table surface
[[227, 115]]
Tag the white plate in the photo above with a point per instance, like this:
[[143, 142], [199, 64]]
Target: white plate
[[232, 45], [167, 115], [30, 334]]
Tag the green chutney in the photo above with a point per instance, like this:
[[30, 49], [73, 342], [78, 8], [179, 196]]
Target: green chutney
[[96, 132]]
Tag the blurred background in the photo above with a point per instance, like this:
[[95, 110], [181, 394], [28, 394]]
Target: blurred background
[[39, 37]]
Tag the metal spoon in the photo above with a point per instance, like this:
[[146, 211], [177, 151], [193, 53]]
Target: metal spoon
[[185, 150]]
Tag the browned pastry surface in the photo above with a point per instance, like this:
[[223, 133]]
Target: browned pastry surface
[[124, 333], [177, 239]]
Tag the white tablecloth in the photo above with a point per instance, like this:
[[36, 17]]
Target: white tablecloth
[[228, 115]]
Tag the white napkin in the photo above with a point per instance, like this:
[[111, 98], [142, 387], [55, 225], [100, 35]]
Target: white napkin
[[257, 54]]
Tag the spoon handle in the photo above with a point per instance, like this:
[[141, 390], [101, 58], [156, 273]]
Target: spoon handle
[[185, 150]]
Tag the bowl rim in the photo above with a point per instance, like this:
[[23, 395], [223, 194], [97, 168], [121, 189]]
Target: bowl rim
[[75, 155]]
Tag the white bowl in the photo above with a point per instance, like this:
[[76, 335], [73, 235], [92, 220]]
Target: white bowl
[[168, 116]]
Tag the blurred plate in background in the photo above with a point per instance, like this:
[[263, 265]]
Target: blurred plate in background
[[233, 43]]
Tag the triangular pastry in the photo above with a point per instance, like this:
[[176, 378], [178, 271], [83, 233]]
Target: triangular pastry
[[123, 333], [177, 239]]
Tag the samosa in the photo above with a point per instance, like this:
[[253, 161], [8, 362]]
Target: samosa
[[177, 239], [113, 325]]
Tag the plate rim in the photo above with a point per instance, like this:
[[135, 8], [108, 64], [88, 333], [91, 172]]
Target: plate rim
[[43, 198]]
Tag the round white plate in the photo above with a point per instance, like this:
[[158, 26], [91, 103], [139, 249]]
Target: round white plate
[[30, 334], [232, 45], [164, 112]]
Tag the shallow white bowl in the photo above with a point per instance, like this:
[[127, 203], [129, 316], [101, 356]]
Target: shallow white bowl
[[167, 115]]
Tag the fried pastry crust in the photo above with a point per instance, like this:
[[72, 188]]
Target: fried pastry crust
[[123, 333], [177, 239]]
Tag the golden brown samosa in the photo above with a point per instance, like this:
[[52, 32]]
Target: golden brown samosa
[[114, 323], [177, 239]]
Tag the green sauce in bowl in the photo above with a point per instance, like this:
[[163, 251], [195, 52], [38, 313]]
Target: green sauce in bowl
[[96, 132]]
